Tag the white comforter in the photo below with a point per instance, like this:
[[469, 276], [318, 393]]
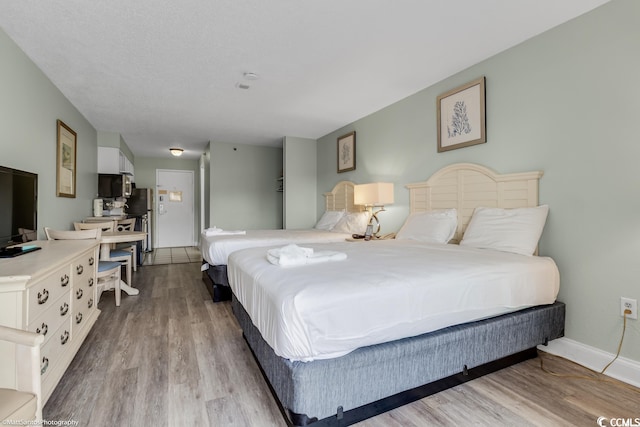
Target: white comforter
[[215, 249], [382, 291]]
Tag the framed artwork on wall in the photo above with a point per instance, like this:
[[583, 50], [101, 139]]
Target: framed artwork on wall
[[461, 116], [66, 161], [347, 152]]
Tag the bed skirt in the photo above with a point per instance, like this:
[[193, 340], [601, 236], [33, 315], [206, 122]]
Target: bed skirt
[[215, 280], [356, 386]]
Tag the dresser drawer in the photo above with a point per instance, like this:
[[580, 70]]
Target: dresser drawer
[[55, 315], [42, 294], [84, 291], [82, 308], [84, 269], [52, 351]]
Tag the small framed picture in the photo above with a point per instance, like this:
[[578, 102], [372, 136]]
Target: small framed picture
[[66, 161], [461, 116], [347, 152]]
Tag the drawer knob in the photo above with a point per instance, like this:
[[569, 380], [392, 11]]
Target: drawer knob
[[79, 269], [90, 302], [90, 281], [44, 365], [43, 329], [91, 261], [78, 318], [64, 280], [43, 296], [64, 337], [79, 293], [64, 309]]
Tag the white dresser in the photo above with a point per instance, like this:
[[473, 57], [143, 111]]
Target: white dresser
[[51, 291]]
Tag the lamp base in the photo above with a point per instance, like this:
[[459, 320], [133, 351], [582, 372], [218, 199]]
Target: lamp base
[[376, 226]]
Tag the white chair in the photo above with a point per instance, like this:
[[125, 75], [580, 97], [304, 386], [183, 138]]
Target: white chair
[[123, 256], [27, 234], [128, 225], [108, 271], [25, 401]]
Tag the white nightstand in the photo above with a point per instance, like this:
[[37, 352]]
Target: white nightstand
[[373, 239]]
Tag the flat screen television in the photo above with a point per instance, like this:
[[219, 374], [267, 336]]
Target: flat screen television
[[18, 204]]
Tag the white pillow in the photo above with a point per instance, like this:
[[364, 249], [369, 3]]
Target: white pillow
[[353, 223], [329, 219], [437, 226], [509, 230]]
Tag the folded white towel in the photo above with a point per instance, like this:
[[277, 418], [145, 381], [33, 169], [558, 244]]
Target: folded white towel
[[292, 255], [289, 255], [291, 250], [215, 231]]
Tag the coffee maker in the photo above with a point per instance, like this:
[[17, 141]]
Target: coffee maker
[[97, 207]]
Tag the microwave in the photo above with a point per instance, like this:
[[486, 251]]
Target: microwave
[[112, 186]]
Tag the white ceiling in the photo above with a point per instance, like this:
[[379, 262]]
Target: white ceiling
[[164, 72]]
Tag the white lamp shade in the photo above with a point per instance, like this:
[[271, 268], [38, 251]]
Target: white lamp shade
[[374, 194]]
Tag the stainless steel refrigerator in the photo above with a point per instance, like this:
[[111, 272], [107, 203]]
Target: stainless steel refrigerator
[[140, 206]]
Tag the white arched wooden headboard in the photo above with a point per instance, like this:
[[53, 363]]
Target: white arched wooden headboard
[[465, 186], [341, 198]]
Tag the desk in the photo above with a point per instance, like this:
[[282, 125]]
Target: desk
[[109, 237]]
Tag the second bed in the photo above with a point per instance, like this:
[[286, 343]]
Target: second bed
[[216, 247]]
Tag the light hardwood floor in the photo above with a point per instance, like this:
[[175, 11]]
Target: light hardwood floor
[[172, 357]]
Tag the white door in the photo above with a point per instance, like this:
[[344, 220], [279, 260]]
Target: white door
[[174, 208]]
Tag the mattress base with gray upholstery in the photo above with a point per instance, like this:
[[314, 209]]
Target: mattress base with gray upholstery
[[215, 280], [323, 391]]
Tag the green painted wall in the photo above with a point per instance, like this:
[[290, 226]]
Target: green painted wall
[[299, 162], [108, 139], [565, 102], [29, 107], [243, 185]]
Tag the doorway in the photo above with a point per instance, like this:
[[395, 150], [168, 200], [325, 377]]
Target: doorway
[[175, 208]]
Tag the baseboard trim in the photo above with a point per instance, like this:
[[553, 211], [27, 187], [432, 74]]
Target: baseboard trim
[[622, 369]]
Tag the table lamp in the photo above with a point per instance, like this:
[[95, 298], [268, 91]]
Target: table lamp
[[374, 195]]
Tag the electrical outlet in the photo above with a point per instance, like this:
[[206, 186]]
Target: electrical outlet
[[629, 304]]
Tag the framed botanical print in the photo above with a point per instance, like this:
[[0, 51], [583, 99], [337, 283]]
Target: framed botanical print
[[461, 116], [66, 161], [347, 152]]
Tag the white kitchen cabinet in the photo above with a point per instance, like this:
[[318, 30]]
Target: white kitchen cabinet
[[112, 160]]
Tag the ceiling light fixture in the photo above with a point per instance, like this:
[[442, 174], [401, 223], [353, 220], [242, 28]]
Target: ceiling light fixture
[[250, 76], [176, 151]]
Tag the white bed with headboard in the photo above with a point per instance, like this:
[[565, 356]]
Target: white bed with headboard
[[334, 338], [217, 246], [466, 186]]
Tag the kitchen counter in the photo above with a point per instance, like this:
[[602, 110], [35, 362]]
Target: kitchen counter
[[105, 218]]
